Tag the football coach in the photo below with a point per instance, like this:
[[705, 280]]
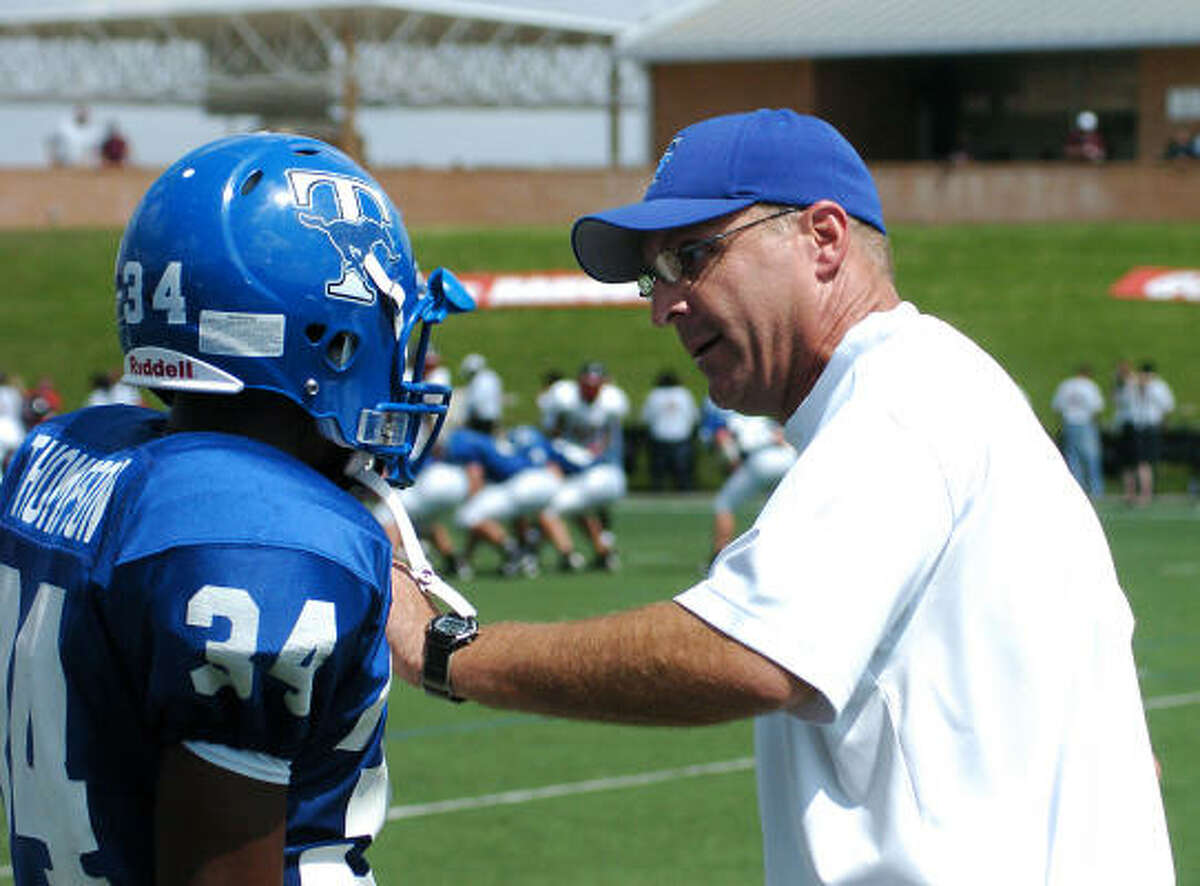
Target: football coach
[[924, 620]]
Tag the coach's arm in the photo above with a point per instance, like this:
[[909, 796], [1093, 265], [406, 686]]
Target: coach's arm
[[656, 665]]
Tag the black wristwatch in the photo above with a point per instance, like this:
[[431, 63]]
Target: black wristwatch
[[444, 634]]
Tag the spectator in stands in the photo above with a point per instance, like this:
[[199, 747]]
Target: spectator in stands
[[1078, 401], [960, 153], [670, 416], [114, 150], [76, 140], [1084, 140], [1151, 401], [1179, 145], [483, 398]]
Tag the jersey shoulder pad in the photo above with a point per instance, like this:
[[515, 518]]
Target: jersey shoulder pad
[[207, 488]]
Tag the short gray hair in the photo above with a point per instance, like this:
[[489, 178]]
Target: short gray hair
[[875, 244]]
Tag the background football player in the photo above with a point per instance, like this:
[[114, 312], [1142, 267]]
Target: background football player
[[192, 654], [757, 455], [589, 413]]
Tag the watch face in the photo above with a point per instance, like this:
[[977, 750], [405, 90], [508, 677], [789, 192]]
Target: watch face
[[454, 625]]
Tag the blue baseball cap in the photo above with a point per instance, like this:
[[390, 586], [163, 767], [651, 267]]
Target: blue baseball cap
[[722, 165]]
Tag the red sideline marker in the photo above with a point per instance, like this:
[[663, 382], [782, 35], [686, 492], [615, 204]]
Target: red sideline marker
[[547, 289], [1159, 284]]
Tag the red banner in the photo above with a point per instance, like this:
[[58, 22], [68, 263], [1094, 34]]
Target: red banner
[[1159, 284], [547, 289]]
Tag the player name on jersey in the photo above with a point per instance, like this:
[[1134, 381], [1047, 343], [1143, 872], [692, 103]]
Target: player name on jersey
[[64, 491]]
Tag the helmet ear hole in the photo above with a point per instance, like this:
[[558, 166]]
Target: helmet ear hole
[[341, 349], [251, 182]]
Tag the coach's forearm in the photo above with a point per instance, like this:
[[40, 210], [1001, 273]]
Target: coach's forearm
[[655, 665]]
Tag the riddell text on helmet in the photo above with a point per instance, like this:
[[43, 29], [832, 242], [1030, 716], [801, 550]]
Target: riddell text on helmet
[[161, 368]]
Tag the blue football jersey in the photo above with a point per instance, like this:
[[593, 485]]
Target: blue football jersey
[[195, 588], [499, 459]]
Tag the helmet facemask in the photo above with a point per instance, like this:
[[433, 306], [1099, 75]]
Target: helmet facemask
[[401, 433]]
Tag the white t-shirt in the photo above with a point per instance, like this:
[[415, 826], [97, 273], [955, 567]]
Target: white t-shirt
[[11, 402], [74, 143], [932, 569], [753, 432], [1077, 399], [1151, 401], [670, 413], [553, 401], [484, 396], [596, 425]]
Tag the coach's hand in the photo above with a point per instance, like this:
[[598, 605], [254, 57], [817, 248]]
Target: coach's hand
[[411, 611]]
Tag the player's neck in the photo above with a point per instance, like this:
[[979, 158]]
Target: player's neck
[[261, 416]]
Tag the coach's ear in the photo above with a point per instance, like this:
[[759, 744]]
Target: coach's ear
[[829, 229]]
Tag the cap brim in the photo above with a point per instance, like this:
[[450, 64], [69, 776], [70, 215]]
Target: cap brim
[[608, 244]]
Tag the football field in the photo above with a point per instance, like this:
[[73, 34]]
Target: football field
[[491, 797], [484, 796]]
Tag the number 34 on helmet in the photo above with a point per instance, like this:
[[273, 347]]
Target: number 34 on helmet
[[275, 262]]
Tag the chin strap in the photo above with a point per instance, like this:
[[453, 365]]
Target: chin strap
[[427, 580]]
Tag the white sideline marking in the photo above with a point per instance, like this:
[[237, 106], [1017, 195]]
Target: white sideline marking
[[1172, 701], [508, 798], [512, 798]]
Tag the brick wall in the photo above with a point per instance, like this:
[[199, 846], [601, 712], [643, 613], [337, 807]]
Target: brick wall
[[923, 192]]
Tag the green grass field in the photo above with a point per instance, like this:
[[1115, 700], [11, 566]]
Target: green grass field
[[1036, 296], [704, 828], [630, 805]]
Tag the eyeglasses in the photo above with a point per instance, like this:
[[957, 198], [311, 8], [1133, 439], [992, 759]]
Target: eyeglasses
[[685, 262]]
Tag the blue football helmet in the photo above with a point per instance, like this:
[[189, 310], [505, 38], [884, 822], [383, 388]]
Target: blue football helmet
[[274, 262]]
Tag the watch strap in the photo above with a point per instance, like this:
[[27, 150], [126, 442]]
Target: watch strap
[[439, 646]]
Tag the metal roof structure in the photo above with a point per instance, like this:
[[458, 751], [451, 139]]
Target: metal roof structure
[[299, 55], [729, 30]]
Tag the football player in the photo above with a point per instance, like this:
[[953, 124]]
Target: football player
[[193, 666], [589, 413], [438, 490], [513, 476], [757, 455]]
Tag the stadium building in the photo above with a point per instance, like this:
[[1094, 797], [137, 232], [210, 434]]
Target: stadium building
[[918, 81]]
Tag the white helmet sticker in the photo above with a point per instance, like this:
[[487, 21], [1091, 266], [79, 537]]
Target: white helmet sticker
[[238, 334], [164, 368]]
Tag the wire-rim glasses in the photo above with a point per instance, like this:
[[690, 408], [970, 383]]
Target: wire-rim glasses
[[685, 262]]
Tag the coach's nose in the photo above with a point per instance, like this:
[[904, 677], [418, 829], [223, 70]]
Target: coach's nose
[[667, 302]]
